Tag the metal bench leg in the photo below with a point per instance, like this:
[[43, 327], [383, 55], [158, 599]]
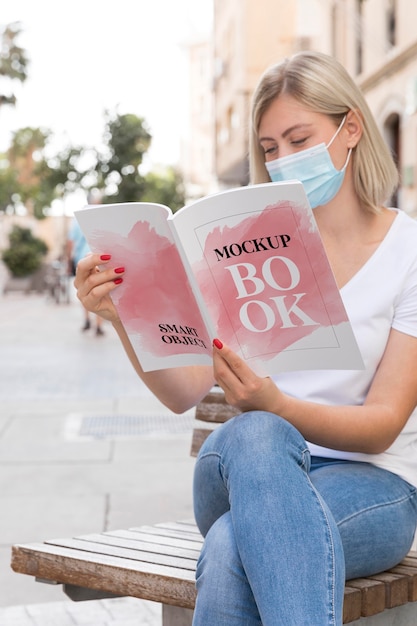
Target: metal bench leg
[[176, 616]]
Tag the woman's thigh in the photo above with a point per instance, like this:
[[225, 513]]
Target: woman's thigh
[[375, 511]]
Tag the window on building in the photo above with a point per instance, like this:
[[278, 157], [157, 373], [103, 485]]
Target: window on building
[[393, 138], [392, 23], [230, 114], [359, 36]]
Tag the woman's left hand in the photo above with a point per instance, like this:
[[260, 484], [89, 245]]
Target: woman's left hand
[[243, 389]]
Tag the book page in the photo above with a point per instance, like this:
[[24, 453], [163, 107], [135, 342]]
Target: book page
[[155, 302], [259, 264]]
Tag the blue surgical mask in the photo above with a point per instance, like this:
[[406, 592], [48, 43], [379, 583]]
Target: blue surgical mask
[[314, 168]]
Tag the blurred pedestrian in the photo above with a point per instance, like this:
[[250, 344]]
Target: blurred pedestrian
[[77, 248]]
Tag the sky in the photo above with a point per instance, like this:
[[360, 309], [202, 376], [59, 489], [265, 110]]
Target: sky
[[90, 55]]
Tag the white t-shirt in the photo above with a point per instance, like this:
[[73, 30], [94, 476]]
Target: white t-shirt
[[381, 296]]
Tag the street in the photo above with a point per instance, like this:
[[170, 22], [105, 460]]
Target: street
[[84, 446]]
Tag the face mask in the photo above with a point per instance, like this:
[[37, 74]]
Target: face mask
[[314, 168]]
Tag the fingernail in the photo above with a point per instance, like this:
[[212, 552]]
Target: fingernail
[[105, 257], [119, 270], [218, 344], [117, 281]]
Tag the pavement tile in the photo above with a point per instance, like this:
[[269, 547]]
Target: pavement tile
[[45, 442], [114, 612]]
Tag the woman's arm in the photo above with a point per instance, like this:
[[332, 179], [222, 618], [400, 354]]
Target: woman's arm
[[178, 388], [370, 428]]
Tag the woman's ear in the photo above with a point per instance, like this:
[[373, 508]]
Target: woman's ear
[[354, 127]]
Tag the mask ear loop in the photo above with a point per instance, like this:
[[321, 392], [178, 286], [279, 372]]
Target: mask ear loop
[[337, 132], [347, 160], [334, 137]]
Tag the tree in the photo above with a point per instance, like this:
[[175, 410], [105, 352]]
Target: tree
[[26, 147], [127, 139], [33, 176], [165, 188], [58, 176], [8, 187], [13, 60]]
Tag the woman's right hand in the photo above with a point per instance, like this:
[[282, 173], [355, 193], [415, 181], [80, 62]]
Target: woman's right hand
[[94, 285]]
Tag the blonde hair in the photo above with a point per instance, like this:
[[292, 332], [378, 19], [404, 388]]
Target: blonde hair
[[321, 84]]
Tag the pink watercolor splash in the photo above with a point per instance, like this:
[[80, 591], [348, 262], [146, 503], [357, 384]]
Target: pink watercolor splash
[[155, 289], [322, 300]]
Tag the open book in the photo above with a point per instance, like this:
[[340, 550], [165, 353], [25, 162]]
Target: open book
[[246, 265]]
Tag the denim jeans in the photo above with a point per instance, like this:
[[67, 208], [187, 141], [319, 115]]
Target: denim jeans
[[283, 531]]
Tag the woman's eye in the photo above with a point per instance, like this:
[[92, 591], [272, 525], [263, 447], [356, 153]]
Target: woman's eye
[[270, 150], [299, 142]]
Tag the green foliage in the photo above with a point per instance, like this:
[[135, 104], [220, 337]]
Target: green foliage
[[25, 252], [54, 178], [167, 189], [25, 157], [118, 168], [128, 139], [9, 187], [13, 59], [33, 177], [28, 140]]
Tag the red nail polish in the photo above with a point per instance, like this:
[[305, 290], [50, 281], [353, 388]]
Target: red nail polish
[[218, 344], [119, 270], [105, 257], [117, 281]]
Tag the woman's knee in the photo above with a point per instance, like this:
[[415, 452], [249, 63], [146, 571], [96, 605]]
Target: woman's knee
[[254, 433], [243, 455]]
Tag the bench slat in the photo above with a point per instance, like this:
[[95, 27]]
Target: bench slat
[[123, 542], [97, 545], [188, 526], [119, 576], [352, 605], [137, 535], [410, 559], [373, 595], [175, 533], [411, 574], [396, 588], [198, 438], [213, 408]]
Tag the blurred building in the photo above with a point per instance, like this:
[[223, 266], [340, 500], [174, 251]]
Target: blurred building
[[376, 40], [197, 150]]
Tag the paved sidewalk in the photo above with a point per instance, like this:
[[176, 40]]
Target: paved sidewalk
[[115, 612], [84, 446]]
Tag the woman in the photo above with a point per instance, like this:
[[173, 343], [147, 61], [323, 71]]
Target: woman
[[286, 521]]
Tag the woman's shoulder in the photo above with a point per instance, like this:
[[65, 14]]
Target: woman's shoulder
[[399, 245], [405, 227], [404, 218]]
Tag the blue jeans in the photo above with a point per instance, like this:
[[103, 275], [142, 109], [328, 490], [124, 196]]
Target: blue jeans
[[283, 531]]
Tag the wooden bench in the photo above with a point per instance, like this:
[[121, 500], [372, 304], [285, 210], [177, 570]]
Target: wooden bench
[[158, 562]]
